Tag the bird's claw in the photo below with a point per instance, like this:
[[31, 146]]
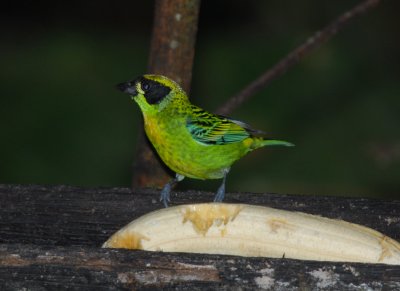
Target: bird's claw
[[221, 190], [165, 195], [220, 194]]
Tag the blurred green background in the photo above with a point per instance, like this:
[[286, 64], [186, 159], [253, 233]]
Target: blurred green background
[[62, 121]]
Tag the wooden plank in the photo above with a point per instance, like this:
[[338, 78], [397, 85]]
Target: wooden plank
[[50, 238], [65, 215], [84, 268]]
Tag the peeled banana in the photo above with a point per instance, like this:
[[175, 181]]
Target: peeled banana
[[249, 230]]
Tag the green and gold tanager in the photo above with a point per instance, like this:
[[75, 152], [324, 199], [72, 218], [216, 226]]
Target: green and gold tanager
[[191, 142]]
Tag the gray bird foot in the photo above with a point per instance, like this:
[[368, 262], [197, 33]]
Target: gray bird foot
[[166, 191], [220, 194], [165, 194], [221, 190]]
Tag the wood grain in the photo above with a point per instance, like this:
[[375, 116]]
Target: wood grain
[[50, 238]]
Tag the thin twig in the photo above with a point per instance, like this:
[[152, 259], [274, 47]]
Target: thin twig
[[295, 56]]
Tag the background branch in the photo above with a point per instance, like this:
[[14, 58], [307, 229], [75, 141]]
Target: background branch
[[295, 56], [171, 54]]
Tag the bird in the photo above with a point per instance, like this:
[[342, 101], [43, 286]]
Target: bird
[[192, 142]]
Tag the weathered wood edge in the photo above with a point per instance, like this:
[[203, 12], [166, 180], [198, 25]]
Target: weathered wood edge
[[83, 268], [65, 215], [50, 238]]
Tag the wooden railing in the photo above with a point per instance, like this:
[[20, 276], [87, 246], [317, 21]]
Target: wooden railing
[[50, 238]]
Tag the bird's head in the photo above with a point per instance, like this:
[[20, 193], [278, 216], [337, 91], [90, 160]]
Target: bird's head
[[153, 93]]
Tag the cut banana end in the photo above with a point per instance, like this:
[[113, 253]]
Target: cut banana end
[[248, 230]]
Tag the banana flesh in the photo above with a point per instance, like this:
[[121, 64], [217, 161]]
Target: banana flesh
[[257, 231]]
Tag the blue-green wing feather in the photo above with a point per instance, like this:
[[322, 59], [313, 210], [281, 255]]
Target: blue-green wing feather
[[208, 128]]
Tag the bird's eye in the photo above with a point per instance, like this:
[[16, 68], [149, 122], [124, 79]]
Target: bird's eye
[[145, 86]]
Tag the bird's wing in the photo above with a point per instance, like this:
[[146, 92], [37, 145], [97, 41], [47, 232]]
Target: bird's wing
[[208, 128], [247, 127]]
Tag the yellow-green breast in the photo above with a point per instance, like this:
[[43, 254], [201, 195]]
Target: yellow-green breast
[[184, 155]]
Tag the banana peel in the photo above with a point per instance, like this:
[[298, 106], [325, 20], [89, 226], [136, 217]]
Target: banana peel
[[256, 231]]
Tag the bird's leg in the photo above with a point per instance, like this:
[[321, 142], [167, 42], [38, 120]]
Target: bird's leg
[[166, 191], [221, 190]]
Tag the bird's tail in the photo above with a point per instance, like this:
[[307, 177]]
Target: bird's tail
[[260, 142], [273, 142]]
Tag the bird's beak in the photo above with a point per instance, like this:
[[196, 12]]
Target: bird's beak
[[127, 87]]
